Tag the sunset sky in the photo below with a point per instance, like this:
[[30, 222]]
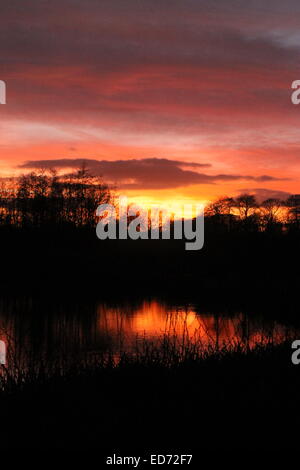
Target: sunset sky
[[170, 99]]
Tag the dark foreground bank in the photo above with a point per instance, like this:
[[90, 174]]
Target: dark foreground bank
[[231, 399]]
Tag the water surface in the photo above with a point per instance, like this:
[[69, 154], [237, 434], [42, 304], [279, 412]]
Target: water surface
[[36, 330]]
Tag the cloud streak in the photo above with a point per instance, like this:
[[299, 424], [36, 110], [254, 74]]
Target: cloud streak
[[148, 173]]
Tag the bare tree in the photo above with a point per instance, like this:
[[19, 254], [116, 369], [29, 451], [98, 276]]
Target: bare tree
[[270, 210], [222, 206], [246, 204], [293, 205]]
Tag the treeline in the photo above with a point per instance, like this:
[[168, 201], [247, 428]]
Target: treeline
[[245, 212], [47, 199]]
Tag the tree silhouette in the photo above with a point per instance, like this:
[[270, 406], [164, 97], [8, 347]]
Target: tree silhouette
[[246, 205], [42, 199], [293, 204], [270, 211]]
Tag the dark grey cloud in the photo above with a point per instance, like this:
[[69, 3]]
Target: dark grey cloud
[[148, 173], [130, 33]]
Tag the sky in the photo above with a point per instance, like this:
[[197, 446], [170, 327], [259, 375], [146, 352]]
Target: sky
[[166, 100]]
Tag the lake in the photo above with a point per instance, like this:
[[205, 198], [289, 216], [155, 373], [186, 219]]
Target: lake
[[43, 330]]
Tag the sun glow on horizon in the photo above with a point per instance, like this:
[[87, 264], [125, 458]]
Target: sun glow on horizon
[[174, 206]]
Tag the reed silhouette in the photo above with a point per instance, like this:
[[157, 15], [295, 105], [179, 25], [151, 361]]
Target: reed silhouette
[[157, 400]]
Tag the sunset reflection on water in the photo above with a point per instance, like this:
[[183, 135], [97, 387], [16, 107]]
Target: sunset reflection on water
[[38, 332], [153, 320]]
